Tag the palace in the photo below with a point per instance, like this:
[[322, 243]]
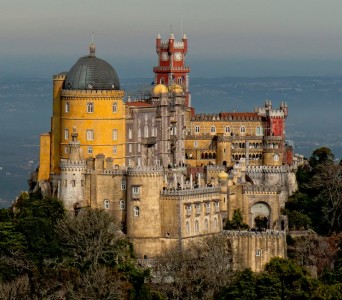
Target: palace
[[168, 175]]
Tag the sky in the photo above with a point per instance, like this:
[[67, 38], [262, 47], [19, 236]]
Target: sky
[[226, 37]]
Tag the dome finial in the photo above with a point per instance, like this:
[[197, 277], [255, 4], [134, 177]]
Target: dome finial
[[92, 47]]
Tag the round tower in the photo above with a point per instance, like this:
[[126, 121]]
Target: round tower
[[72, 176], [144, 219]]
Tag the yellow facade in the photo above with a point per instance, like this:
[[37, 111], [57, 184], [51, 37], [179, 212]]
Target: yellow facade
[[95, 115], [44, 157]]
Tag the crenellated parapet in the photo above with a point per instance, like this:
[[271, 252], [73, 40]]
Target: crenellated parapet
[[68, 165], [203, 191], [261, 189], [258, 234], [86, 94], [145, 171], [226, 116], [267, 169]]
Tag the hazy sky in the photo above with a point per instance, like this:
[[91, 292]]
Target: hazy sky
[[226, 37]]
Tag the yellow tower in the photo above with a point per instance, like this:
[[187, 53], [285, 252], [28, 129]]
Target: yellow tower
[[87, 99]]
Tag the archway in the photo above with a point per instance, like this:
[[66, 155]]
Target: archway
[[261, 215]]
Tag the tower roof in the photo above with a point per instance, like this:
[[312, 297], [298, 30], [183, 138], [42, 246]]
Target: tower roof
[[92, 73]]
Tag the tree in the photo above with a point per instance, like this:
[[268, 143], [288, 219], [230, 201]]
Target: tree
[[92, 238], [237, 221], [282, 279], [321, 156], [243, 287], [328, 183], [199, 272]]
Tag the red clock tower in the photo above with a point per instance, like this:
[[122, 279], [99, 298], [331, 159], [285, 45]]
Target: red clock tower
[[171, 67]]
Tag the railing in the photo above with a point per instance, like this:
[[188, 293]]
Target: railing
[[149, 141], [197, 191]]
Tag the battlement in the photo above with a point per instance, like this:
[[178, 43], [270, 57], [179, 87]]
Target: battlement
[[68, 165], [267, 169], [145, 171], [93, 93], [260, 189], [224, 116], [261, 234], [60, 76], [190, 192]]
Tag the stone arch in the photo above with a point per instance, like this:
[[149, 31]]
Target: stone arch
[[261, 215]]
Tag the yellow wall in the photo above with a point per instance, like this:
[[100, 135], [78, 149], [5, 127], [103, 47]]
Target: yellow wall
[[44, 157]]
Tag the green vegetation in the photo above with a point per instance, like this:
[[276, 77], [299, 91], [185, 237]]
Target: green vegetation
[[318, 202], [46, 253]]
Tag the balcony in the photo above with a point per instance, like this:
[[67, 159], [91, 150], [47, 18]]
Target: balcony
[[149, 141]]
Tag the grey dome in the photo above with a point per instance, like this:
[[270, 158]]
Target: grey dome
[[91, 73]]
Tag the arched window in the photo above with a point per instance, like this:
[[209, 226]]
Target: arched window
[[197, 129], [123, 184], [227, 129], [187, 226], [122, 205], [115, 134], [66, 134], [115, 107], [90, 150], [276, 157], [215, 223], [242, 129], [196, 226], [130, 133], [206, 225], [67, 107], [90, 107], [90, 135], [213, 129], [136, 211], [146, 131], [106, 204]]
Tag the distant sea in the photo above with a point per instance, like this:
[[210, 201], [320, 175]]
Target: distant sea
[[315, 106]]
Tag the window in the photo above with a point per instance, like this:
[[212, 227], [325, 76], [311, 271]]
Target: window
[[123, 184], [130, 148], [73, 183], [122, 205], [115, 107], [258, 252], [213, 129], [145, 131], [136, 190], [195, 144], [136, 211], [139, 147], [139, 133], [173, 130], [206, 224], [227, 129], [276, 157], [215, 223], [242, 129], [67, 107], [187, 226], [115, 149], [90, 135], [90, 150], [115, 134], [130, 133], [66, 150], [106, 204], [197, 129], [259, 131], [196, 226], [139, 161], [66, 134], [90, 107]]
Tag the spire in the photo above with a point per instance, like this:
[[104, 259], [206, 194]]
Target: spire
[[92, 47], [184, 36], [159, 36], [172, 37]]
